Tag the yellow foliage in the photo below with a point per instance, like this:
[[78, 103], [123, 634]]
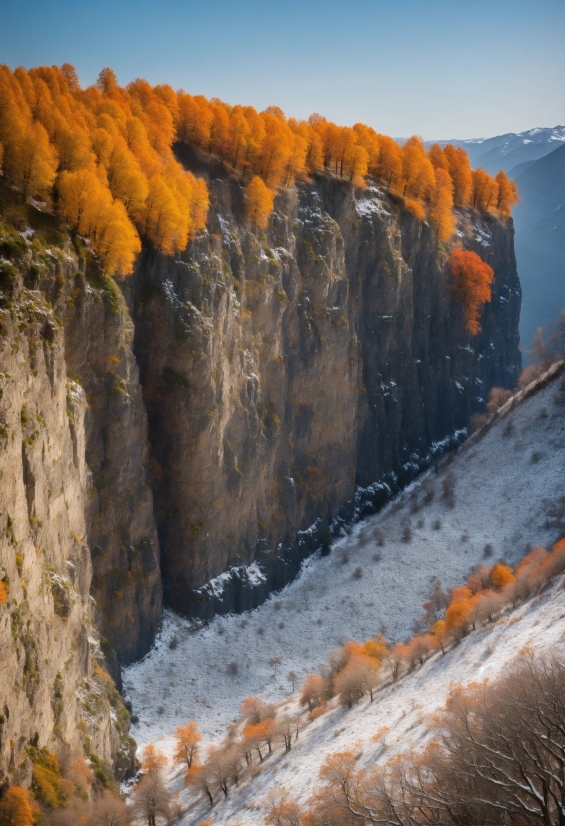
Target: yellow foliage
[[152, 760], [259, 201], [16, 808], [500, 576]]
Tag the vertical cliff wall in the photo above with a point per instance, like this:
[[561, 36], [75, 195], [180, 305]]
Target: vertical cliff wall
[[238, 396], [122, 536], [52, 689], [282, 369]]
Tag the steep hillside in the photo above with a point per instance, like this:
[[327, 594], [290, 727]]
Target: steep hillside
[[401, 717], [540, 243], [508, 495]]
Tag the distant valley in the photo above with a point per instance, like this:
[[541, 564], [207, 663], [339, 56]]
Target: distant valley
[[535, 160]]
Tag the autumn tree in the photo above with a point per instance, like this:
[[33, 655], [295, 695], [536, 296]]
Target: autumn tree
[[260, 201], [187, 740], [312, 691], [485, 190], [281, 810], [507, 193], [501, 576], [153, 761], [417, 171], [32, 162], [441, 215], [461, 174], [360, 675], [16, 808], [389, 164], [472, 278]]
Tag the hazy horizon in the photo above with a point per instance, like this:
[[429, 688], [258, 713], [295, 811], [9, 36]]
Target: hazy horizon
[[438, 70]]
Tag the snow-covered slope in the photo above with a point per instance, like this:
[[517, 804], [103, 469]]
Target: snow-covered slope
[[397, 720], [373, 581]]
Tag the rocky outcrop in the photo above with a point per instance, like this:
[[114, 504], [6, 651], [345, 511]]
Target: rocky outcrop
[[52, 690], [281, 370]]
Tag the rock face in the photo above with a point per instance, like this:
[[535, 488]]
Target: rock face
[[51, 687], [265, 378], [283, 369], [119, 507]]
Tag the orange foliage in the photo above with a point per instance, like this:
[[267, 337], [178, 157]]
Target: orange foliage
[[460, 595], [187, 743], [107, 150], [49, 126], [461, 174], [472, 279], [152, 760], [458, 616], [507, 193], [441, 210], [376, 647], [16, 808], [312, 691], [441, 633], [259, 201], [417, 170], [485, 191], [501, 576], [4, 591]]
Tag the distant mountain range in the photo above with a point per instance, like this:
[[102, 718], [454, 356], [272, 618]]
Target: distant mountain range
[[535, 159], [540, 242], [511, 152]]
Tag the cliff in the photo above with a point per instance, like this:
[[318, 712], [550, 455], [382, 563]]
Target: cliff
[[285, 370], [52, 689], [203, 427]]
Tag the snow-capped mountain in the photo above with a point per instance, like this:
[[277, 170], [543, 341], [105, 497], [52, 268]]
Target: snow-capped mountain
[[512, 149]]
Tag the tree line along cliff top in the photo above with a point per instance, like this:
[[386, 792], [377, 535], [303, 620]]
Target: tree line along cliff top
[[104, 156]]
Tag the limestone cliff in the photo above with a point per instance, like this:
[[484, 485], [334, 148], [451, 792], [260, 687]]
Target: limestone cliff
[[52, 689], [281, 370]]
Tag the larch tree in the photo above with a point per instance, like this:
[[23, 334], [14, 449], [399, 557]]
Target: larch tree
[[187, 739], [260, 201], [485, 191], [33, 162], [472, 279], [507, 193], [441, 209], [153, 761], [16, 808], [461, 174]]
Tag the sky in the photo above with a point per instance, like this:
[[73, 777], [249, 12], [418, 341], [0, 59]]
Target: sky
[[438, 68]]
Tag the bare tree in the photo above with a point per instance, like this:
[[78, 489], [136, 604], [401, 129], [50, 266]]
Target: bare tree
[[108, 810], [274, 662], [151, 799], [292, 677], [285, 728]]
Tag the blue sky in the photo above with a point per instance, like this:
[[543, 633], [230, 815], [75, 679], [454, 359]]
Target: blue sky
[[437, 68]]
